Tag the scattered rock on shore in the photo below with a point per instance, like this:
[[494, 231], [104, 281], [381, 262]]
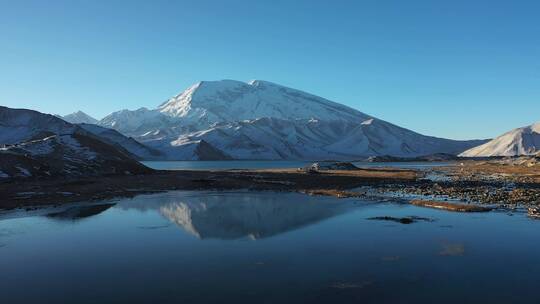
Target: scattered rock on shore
[[450, 206], [333, 192]]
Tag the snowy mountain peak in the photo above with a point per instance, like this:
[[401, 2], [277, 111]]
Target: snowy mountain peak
[[208, 102], [264, 120], [520, 141], [201, 95], [79, 117], [262, 83]]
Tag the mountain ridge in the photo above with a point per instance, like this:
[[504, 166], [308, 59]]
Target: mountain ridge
[[264, 120], [33, 144], [79, 117], [516, 142]]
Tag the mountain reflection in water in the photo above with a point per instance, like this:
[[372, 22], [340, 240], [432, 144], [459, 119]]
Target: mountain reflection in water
[[314, 249], [79, 212], [239, 215]]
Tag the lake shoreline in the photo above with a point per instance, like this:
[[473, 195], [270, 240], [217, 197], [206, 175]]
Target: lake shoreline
[[31, 193], [481, 183]]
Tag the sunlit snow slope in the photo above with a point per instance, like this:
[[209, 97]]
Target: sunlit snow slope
[[263, 120]]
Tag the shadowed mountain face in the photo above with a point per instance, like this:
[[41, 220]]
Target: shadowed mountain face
[[241, 215], [34, 144]]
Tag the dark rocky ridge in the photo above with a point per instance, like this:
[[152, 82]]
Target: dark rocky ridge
[[35, 145], [437, 157]]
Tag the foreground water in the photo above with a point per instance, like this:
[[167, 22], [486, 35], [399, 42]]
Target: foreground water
[[270, 164], [249, 247]]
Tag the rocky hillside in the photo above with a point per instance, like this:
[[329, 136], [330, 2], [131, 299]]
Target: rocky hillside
[[36, 145]]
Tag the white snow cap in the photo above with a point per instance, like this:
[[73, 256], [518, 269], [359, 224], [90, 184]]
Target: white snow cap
[[264, 120], [231, 100]]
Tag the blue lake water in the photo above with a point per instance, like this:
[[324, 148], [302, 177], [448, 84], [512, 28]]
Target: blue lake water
[[265, 247], [257, 164]]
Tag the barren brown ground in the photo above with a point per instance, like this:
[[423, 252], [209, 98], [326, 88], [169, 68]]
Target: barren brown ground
[[496, 169], [450, 206], [475, 181]]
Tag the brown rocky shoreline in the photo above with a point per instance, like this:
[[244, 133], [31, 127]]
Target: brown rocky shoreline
[[28, 192], [472, 183]]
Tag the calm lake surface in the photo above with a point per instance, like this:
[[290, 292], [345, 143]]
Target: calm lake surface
[[269, 164], [252, 247]]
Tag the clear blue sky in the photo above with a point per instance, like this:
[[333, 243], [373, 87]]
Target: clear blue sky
[[456, 69]]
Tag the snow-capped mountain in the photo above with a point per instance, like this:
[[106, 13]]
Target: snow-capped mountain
[[208, 102], [79, 117], [520, 141], [263, 120], [33, 144]]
